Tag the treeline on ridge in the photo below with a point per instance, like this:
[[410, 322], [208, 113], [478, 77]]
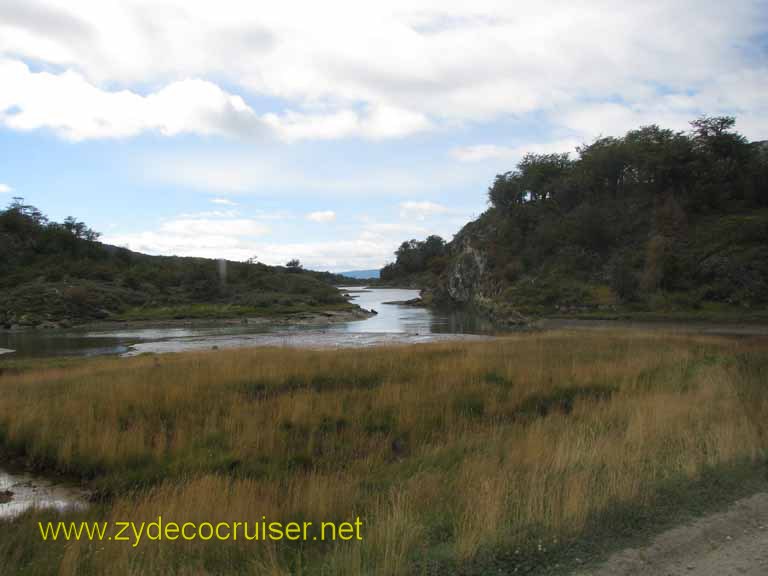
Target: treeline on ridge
[[60, 273], [656, 212]]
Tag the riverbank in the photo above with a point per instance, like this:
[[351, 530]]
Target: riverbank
[[207, 315], [354, 325], [343, 313], [456, 456]]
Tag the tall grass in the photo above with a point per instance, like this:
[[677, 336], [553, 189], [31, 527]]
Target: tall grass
[[448, 452]]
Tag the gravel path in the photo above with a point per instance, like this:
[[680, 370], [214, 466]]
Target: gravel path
[[733, 542]]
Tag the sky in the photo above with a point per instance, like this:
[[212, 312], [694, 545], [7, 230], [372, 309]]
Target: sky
[[333, 131]]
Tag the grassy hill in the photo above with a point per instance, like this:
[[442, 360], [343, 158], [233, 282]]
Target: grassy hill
[[656, 223], [54, 274]]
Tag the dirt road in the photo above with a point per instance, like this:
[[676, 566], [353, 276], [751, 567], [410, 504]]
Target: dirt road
[[733, 542]]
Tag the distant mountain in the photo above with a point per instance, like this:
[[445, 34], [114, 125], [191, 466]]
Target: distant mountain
[[361, 274]]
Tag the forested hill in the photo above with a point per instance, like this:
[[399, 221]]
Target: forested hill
[[55, 274], [656, 222]]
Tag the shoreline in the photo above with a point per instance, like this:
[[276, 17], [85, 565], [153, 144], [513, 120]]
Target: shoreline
[[286, 319]]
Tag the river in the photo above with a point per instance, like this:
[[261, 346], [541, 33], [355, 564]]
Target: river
[[394, 324]]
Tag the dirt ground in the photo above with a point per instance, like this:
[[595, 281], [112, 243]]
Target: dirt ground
[[733, 542]]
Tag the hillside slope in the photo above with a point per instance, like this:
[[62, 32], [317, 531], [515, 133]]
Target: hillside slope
[[58, 274], [654, 224]]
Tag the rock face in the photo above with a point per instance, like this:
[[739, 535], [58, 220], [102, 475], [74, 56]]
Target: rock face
[[469, 283], [466, 274]]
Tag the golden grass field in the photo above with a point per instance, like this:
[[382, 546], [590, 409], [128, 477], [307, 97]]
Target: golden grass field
[[449, 453]]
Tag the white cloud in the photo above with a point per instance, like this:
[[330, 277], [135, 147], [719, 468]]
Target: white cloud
[[209, 235], [75, 109], [393, 122], [211, 227], [377, 123], [82, 111], [348, 69], [357, 252], [5, 189], [207, 214], [204, 245], [363, 251], [421, 210], [482, 152], [323, 216], [223, 201], [337, 255], [383, 231], [368, 245], [246, 173], [297, 126]]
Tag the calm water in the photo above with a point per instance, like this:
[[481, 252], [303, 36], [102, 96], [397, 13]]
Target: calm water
[[28, 491], [394, 324]]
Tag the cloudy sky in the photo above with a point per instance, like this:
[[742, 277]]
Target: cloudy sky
[[331, 131]]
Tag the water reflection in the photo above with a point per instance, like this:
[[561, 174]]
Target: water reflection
[[398, 318]]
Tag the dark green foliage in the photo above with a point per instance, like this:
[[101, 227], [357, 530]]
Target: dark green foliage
[[321, 382], [379, 421], [53, 273], [497, 379], [416, 257], [469, 405], [624, 281], [654, 221], [293, 265], [559, 400]]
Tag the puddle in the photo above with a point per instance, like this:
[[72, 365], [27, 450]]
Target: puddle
[[22, 491]]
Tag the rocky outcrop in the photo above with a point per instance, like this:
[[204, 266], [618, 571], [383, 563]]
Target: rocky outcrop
[[469, 283], [466, 274]]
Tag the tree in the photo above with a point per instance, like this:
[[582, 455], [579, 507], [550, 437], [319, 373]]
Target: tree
[[414, 256], [506, 191], [28, 211], [294, 265], [659, 158], [623, 280], [433, 247], [542, 174], [390, 272], [710, 127], [602, 168], [80, 230], [723, 162], [537, 177]]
